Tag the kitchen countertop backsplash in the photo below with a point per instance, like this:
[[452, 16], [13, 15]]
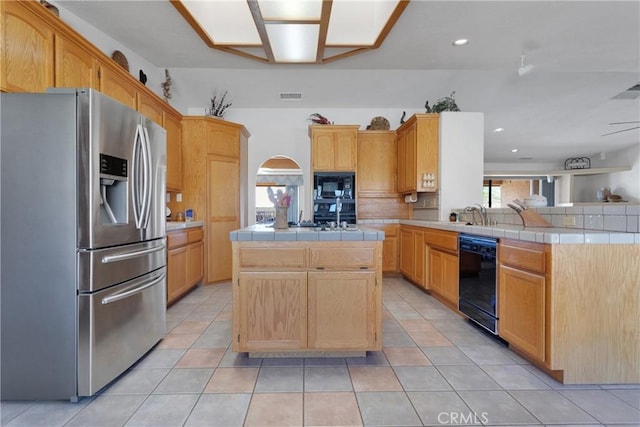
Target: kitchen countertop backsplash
[[615, 223], [616, 217]]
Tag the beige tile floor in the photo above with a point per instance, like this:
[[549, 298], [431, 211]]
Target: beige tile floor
[[435, 369]]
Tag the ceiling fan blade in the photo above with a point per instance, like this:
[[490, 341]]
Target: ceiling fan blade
[[624, 123], [623, 130]]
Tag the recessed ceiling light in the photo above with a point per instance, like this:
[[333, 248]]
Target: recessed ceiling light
[[460, 42], [515, 150], [498, 129]]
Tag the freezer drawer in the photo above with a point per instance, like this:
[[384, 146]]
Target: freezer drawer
[[101, 268], [117, 326]]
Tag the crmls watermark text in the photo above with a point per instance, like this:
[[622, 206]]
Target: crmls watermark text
[[463, 418]]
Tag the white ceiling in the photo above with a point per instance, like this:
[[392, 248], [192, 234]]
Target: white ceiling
[[584, 52]]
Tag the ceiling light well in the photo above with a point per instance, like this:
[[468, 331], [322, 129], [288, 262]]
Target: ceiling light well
[[461, 42], [292, 31]]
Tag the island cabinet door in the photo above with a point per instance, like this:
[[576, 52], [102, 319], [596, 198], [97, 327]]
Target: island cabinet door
[[342, 310], [272, 311]]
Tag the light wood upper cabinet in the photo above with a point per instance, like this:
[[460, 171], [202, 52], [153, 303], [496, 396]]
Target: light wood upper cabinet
[[173, 125], [151, 108], [333, 148], [418, 154], [27, 46], [376, 164], [75, 66], [114, 85]]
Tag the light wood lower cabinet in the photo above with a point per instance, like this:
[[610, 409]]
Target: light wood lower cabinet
[[522, 310], [412, 256], [185, 261], [342, 310], [442, 264], [307, 296], [522, 296], [390, 248], [272, 311]]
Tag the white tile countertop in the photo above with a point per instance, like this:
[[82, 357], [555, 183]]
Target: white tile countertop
[[179, 225], [268, 233], [550, 235]]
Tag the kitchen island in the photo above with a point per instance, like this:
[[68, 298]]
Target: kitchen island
[[302, 291]]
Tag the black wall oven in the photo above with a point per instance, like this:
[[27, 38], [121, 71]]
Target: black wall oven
[[478, 284]]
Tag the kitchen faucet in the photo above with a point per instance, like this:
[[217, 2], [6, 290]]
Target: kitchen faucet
[[482, 211], [338, 209]]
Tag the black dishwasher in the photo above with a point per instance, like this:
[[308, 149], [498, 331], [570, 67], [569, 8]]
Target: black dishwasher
[[478, 283]]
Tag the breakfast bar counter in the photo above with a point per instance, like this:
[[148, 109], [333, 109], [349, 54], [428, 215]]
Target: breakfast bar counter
[[303, 291]]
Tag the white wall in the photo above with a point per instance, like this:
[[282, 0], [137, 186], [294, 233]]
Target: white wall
[[626, 184], [461, 155]]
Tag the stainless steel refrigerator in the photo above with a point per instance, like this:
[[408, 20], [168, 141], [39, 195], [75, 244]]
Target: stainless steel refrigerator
[[83, 258]]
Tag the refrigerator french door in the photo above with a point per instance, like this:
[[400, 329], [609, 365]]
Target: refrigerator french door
[[83, 244]]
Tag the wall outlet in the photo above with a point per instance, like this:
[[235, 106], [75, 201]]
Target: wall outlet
[[569, 220], [179, 197]]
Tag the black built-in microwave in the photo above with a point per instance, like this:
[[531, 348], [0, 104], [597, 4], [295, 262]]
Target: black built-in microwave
[[327, 187]]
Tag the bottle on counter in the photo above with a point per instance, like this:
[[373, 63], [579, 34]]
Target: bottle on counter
[[453, 217]]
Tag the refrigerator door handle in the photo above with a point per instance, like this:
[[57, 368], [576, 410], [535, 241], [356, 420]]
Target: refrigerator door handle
[[130, 292], [128, 255], [147, 187], [135, 176]]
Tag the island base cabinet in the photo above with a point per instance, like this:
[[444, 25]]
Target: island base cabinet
[[342, 310], [307, 297], [271, 311]]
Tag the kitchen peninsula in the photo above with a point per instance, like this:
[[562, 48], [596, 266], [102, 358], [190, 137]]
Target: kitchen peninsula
[[304, 291]]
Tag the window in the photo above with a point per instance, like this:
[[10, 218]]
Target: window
[[492, 194], [265, 211]]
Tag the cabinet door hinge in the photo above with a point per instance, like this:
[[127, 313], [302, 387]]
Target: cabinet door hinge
[[238, 338]]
